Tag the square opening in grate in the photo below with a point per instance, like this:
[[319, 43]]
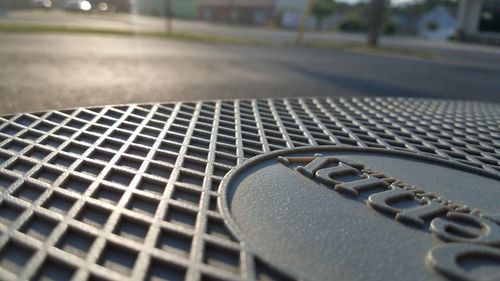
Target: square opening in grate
[[220, 171], [217, 228], [150, 132], [54, 270], [48, 175], [76, 124], [137, 150], [65, 132], [181, 216], [170, 146], [225, 159], [11, 130], [155, 124], [90, 168], [62, 160], [190, 178], [76, 242], [87, 138], [6, 180], [44, 126], [38, 153], [93, 215], [129, 162], [9, 213], [76, 183], [39, 227], [160, 270], [127, 126], [174, 242], [85, 115], [52, 141], [114, 113], [59, 203], [118, 258], [29, 191], [14, 257], [15, 146], [143, 205], [195, 165], [222, 258], [106, 121], [20, 166], [25, 120], [159, 170], [151, 185], [56, 117], [99, 154], [111, 144], [199, 143], [212, 204], [146, 141], [173, 137], [132, 229], [75, 148], [119, 177], [186, 195], [108, 194], [215, 184], [165, 157], [118, 134], [4, 157]]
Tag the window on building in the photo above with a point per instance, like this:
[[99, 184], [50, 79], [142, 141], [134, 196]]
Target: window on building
[[490, 16]]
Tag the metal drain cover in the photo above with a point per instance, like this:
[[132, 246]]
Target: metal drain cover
[[133, 192], [322, 213]]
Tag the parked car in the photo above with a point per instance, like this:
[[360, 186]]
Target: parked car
[[43, 4], [78, 6]]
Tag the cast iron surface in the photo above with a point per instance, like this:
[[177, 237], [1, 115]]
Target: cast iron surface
[[131, 191]]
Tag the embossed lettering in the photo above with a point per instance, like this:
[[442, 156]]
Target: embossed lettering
[[310, 169], [380, 201], [417, 215], [446, 260], [327, 175], [477, 230]]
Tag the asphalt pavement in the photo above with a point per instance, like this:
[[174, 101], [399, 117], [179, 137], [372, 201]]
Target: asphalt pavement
[[55, 71]]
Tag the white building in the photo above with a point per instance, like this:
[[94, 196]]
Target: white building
[[479, 21], [292, 11], [437, 24]]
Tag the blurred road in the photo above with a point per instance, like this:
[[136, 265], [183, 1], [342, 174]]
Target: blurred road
[[448, 51], [41, 71]]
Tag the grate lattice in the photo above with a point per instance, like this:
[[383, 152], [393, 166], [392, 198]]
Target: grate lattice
[[121, 192]]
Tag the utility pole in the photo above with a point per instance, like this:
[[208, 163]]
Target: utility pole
[[168, 15], [303, 22], [376, 20], [232, 12]]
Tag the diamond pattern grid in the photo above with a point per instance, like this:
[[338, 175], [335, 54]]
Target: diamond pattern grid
[[130, 192]]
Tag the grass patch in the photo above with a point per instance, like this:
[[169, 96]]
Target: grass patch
[[218, 39], [195, 37], [363, 48]]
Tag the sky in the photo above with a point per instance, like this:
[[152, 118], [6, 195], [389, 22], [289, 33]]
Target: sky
[[394, 2]]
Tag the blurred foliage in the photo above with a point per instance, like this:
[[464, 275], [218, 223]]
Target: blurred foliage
[[390, 28], [322, 9], [432, 26], [352, 25]]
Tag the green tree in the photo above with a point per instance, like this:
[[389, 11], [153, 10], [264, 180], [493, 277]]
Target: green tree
[[322, 9]]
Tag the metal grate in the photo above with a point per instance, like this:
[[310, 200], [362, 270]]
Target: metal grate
[[131, 191]]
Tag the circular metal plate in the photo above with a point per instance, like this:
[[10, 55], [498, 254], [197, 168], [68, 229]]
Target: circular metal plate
[[333, 213]]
